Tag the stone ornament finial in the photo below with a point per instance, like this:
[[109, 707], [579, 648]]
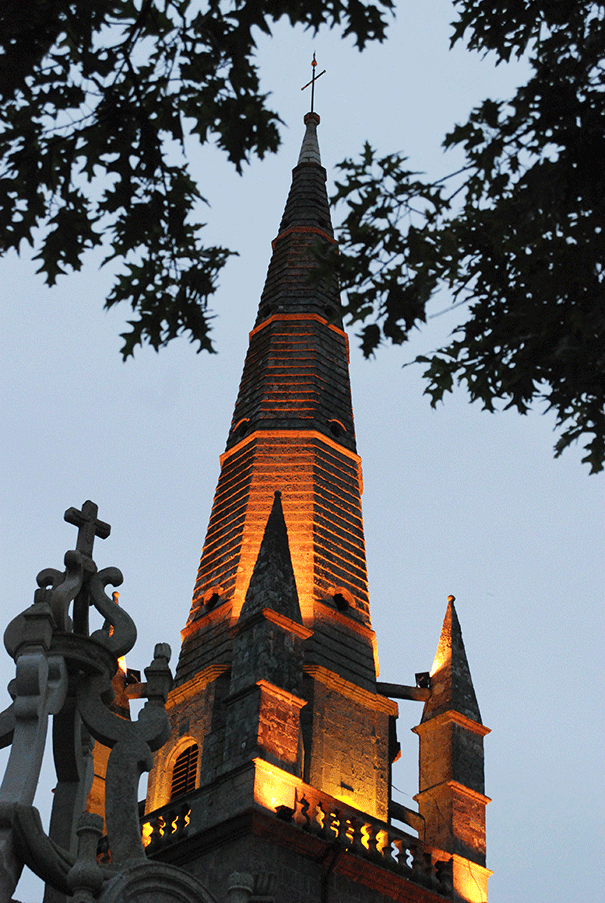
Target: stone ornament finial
[[54, 649], [88, 526], [85, 877]]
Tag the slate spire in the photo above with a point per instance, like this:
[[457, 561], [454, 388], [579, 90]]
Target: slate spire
[[309, 152], [276, 681], [304, 233], [451, 683], [292, 430]]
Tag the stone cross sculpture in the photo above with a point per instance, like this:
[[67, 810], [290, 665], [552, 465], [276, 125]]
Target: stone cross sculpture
[[65, 671]]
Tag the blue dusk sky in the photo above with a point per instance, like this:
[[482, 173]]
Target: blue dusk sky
[[456, 500]]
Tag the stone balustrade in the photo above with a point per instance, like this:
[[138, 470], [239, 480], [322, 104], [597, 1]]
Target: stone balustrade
[[334, 822], [167, 825], [375, 840]]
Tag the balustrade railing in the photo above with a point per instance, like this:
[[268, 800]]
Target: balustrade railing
[[375, 840], [167, 825], [336, 823]]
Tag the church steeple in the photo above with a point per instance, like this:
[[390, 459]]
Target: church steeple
[[293, 432], [277, 717]]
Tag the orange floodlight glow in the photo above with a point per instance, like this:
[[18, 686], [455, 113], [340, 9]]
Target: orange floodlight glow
[[300, 464], [274, 787], [122, 659], [468, 886], [347, 798], [275, 466], [270, 792], [444, 655], [364, 802]]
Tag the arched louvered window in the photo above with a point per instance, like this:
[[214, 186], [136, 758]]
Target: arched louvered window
[[184, 772]]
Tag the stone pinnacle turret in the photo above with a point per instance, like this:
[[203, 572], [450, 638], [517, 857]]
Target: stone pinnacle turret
[[272, 584], [451, 684], [451, 797]]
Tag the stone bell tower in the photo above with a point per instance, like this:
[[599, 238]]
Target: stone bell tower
[[276, 781]]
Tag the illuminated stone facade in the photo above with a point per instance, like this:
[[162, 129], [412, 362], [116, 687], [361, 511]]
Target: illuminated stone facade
[[276, 680]]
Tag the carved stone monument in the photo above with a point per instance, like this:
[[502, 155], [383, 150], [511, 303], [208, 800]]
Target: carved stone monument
[[64, 670]]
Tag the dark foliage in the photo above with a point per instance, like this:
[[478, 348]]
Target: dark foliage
[[517, 235], [94, 98]]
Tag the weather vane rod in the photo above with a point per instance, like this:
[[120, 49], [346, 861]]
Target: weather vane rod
[[313, 80]]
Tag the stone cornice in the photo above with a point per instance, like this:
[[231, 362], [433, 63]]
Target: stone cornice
[[285, 695], [268, 614], [322, 611], [276, 318], [222, 612], [455, 717], [287, 623], [271, 689], [312, 229], [458, 788], [357, 694], [289, 434], [198, 683]]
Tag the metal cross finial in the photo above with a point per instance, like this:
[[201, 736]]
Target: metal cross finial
[[313, 80], [88, 526]]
